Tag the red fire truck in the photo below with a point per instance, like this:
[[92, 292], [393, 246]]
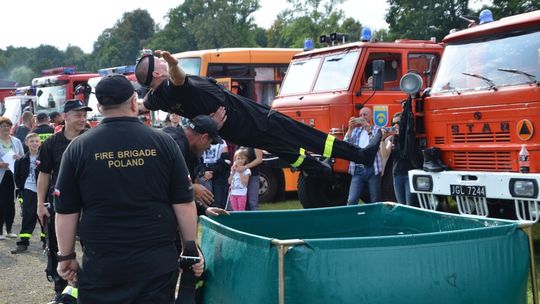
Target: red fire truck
[[325, 87], [57, 85], [482, 110]]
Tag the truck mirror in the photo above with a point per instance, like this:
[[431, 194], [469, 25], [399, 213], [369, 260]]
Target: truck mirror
[[39, 93], [378, 75]]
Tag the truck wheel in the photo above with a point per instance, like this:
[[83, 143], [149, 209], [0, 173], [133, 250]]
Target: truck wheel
[[268, 183], [320, 191]]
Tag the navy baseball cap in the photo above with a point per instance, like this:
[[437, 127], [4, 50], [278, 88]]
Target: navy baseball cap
[[75, 105], [203, 124], [113, 90], [42, 116]]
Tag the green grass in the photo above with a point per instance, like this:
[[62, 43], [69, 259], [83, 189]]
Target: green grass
[[284, 205]]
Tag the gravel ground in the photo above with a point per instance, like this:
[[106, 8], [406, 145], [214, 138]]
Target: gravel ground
[[22, 276]]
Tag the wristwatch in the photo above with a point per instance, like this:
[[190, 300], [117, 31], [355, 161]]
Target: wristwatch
[[61, 258]]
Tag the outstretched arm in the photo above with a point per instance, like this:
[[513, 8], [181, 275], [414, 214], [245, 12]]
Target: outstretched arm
[[176, 74]]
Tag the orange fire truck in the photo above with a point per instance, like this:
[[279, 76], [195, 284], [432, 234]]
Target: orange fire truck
[[57, 85], [482, 110], [325, 87]]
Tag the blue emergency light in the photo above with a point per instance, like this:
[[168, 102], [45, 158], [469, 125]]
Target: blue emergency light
[[125, 69], [308, 44], [486, 16], [366, 34]]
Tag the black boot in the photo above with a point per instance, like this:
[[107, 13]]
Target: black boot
[[366, 156], [436, 156], [430, 165], [314, 167], [22, 246]]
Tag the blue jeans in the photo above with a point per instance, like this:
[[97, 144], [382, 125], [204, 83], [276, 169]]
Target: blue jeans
[[403, 191], [361, 177], [253, 192]]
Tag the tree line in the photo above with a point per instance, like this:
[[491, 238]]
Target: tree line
[[209, 24]]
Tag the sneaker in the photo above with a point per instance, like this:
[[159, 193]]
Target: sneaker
[[11, 235], [2, 237], [20, 248]]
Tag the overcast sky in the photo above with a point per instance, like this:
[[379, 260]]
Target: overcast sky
[[61, 23]]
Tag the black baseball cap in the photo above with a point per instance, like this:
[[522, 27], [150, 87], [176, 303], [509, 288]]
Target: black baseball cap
[[113, 90], [75, 105], [53, 115], [203, 124], [42, 116]]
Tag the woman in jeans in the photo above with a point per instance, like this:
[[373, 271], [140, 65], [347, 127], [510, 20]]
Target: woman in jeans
[[11, 149]]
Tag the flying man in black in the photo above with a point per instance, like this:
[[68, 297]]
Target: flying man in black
[[248, 123]]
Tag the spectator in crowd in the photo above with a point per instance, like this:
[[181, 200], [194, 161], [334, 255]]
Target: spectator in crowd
[[28, 121], [239, 179], [43, 129], [50, 156], [400, 167], [175, 119], [255, 159], [11, 149], [57, 121], [214, 171], [360, 131], [26, 181]]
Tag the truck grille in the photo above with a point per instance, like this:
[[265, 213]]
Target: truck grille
[[483, 161], [494, 137]]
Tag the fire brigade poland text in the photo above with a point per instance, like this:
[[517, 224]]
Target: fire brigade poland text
[[126, 158]]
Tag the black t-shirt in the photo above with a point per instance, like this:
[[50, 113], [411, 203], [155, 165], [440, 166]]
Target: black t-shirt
[[124, 177], [50, 155], [44, 131], [246, 119], [21, 133], [252, 156]]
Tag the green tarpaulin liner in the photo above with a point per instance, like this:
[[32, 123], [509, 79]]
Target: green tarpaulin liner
[[376, 253]]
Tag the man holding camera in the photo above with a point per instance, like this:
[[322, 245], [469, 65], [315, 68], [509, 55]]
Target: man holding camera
[[360, 132]]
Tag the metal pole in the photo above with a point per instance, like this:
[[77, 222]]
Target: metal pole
[[528, 230], [282, 248]]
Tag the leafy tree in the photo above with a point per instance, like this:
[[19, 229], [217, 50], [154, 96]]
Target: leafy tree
[[310, 19], [505, 8], [120, 44], [423, 19], [209, 24], [22, 75], [46, 57]]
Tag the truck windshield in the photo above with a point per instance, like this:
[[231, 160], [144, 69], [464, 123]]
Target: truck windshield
[[485, 64], [300, 76], [51, 98], [337, 71], [335, 74], [12, 109], [191, 66]]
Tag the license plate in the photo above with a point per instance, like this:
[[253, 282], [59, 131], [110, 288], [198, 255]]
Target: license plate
[[463, 190]]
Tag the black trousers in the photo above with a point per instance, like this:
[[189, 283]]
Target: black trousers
[[52, 244], [7, 201], [285, 137], [156, 290], [29, 216]]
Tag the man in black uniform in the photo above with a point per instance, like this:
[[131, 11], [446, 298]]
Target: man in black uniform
[[248, 123], [43, 129], [50, 156], [130, 186], [193, 139]]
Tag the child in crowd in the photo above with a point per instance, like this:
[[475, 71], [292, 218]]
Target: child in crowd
[[26, 182], [239, 179]]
